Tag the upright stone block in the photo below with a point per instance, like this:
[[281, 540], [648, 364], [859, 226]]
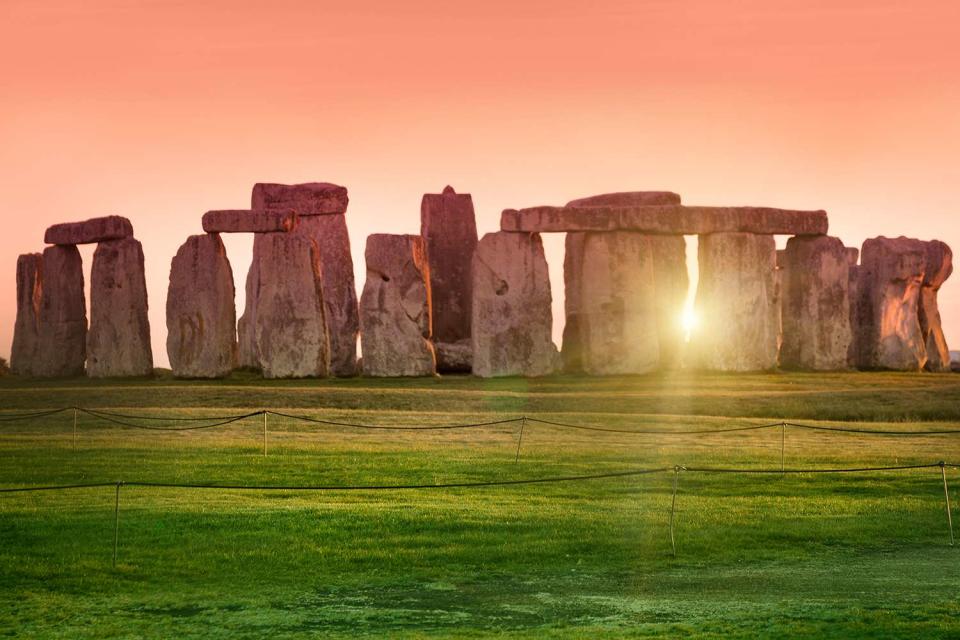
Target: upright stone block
[[939, 266], [26, 331], [395, 308], [611, 276], [816, 304], [512, 319], [449, 228], [891, 275], [670, 282], [320, 209], [118, 343], [201, 313], [290, 328], [63, 314], [736, 303]]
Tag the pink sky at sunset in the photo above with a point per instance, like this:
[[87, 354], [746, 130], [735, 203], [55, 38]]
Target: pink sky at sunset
[[160, 111]]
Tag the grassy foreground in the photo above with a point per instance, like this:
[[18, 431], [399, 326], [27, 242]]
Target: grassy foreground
[[836, 556]]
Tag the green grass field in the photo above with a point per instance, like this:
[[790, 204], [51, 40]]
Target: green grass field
[[809, 555]]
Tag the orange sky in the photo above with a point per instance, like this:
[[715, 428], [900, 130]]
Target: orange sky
[[159, 111]]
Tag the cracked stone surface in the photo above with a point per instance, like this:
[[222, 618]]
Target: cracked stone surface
[[395, 308], [512, 317]]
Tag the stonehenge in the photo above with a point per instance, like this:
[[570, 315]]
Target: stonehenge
[[89, 231], [26, 331], [674, 219], [243, 221], [395, 308], [512, 321], [815, 304], [737, 294], [624, 294], [445, 302], [51, 337], [62, 334], [320, 208], [449, 229], [118, 341], [290, 326], [939, 266], [201, 316]]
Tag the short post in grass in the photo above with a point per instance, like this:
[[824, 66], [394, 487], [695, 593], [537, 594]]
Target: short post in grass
[[116, 524], [523, 423], [946, 495], [783, 444], [673, 506], [74, 428], [264, 433]]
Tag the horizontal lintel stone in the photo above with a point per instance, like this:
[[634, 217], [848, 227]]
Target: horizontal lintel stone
[[309, 199], [89, 231], [666, 219], [249, 221]]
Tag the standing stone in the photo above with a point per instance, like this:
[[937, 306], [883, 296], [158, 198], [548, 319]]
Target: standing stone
[[63, 314], [853, 284], [512, 318], [614, 305], [670, 296], [572, 346], [395, 308], [816, 304], [201, 314], [320, 209], [669, 281], [736, 303], [247, 356], [118, 343], [890, 277], [939, 266], [26, 332], [449, 228], [290, 328]]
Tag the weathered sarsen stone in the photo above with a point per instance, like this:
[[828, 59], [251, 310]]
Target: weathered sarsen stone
[[816, 304], [245, 221], [938, 267], [890, 277], [669, 219], [63, 314], [512, 319], [290, 330], [670, 283], [118, 343], [89, 231], [26, 331], [449, 228], [320, 209], [627, 199], [736, 303], [201, 314], [395, 308], [611, 276], [308, 199]]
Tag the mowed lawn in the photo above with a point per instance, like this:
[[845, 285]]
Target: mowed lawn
[[757, 555]]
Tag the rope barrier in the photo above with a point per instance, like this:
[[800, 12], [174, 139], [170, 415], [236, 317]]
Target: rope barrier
[[469, 425], [31, 416], [676, 469], [168, 428], [122, 419], [474, 484]]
